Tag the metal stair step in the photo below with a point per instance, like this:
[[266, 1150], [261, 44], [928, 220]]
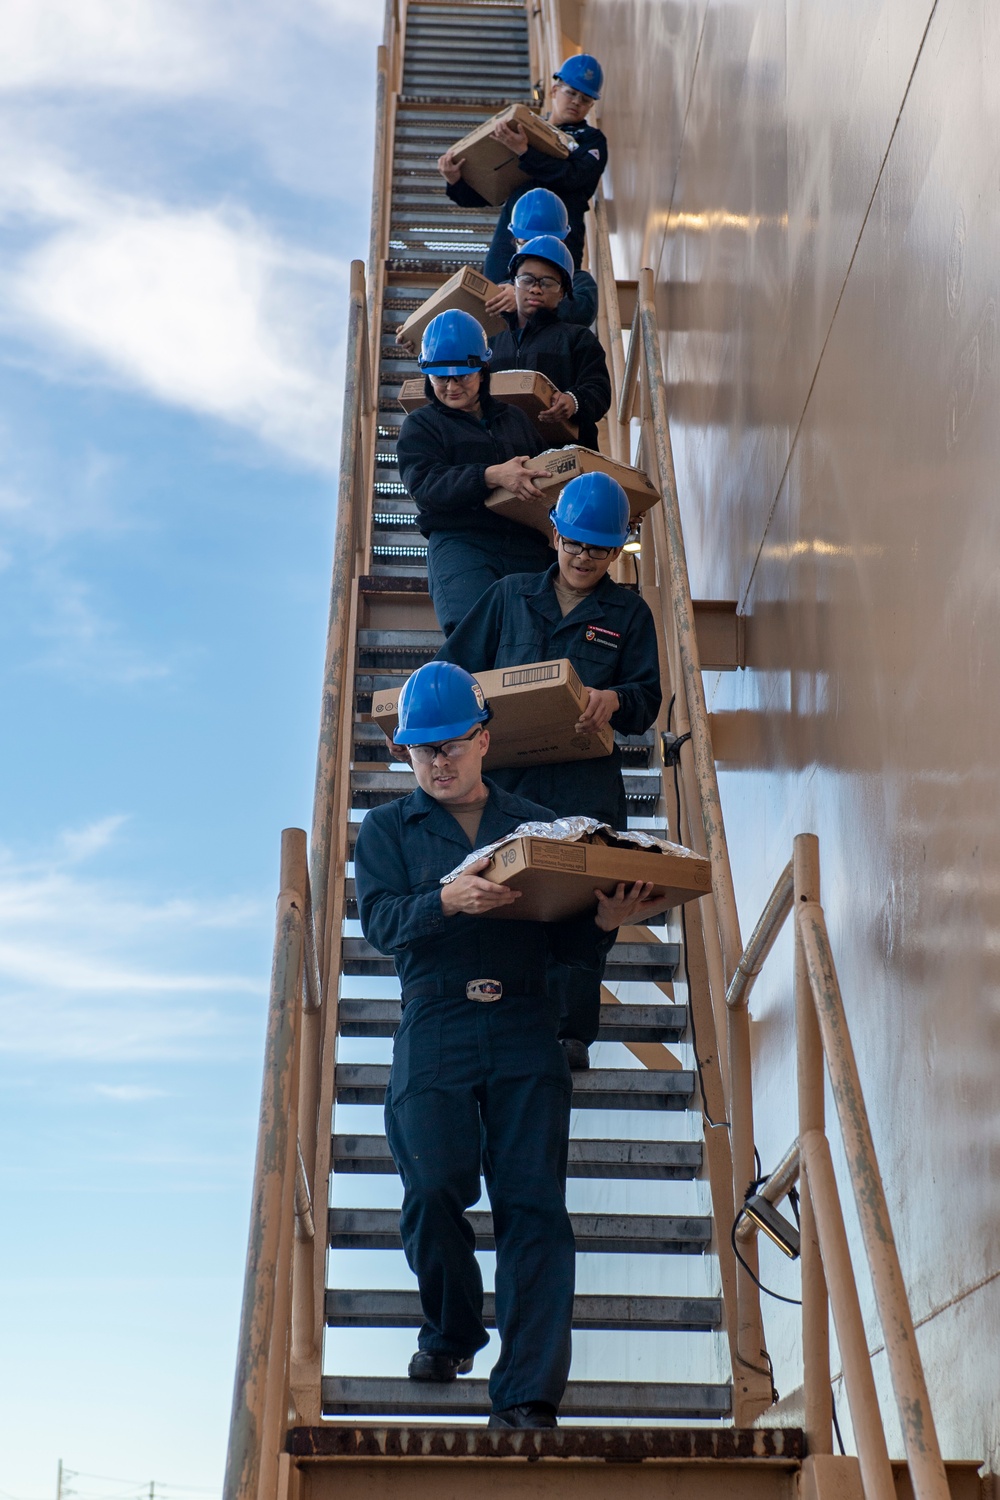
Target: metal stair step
[[394, 1309], [654, 962], [360, 1016], [634, 1160], [355, 1395], [596, 1234], [372, 788], [600, 1088]]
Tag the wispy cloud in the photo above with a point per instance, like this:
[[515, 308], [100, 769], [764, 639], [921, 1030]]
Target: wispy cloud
[[200, 308], [129, 1093], [95, 971]]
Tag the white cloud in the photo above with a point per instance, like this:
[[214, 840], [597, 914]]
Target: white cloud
[[81, 843], [128, 1093], [202, 309], [152, 45], [92, 970]]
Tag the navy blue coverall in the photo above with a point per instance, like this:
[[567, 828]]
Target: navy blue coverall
[[611, 640], [443, 457], [573, 178], [571, 357], [476, 1085]]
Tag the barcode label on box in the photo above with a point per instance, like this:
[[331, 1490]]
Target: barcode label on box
[[546, 856], [522, 676]]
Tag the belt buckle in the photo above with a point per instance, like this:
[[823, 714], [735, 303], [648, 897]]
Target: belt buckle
[[484, 990]]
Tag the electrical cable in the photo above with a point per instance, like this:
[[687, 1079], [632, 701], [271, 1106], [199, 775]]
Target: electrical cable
[[778, 1297], [836, 1425]]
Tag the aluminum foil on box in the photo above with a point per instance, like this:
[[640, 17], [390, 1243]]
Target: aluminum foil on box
[[570, 831]]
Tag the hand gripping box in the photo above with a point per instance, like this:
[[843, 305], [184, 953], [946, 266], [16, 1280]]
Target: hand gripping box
[[558, 880], [490, 167], [560, 466], [466, 291], [535, 712], [530, 390]]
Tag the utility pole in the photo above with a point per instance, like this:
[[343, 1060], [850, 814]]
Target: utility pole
[[59, 1492], [152, 1489]]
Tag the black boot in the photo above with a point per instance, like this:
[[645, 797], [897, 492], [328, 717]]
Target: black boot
[[440, 1367], [530, 1414]]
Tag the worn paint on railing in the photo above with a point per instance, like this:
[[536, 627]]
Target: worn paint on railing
[[927, 1471]]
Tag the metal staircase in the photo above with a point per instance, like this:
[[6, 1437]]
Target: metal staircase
[[476, 57], [645, 1191]]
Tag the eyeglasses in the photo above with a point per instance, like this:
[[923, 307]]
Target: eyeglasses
[[458, 379], [547, 283], [425, 755], [577, 549], [572, 96]]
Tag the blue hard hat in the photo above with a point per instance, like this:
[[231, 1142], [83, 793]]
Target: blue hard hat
[[583, 73], [453, 344], [439, 702], [539, 212], [546, 247], [592, 509]]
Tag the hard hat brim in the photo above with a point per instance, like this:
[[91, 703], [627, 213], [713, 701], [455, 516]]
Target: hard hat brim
[[438, 733], [587, 538], [558, 78]]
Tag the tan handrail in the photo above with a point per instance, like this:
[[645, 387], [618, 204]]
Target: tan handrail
[[927, 1473], [257, 1413]]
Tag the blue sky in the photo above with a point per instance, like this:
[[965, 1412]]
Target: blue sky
[[183, 184]]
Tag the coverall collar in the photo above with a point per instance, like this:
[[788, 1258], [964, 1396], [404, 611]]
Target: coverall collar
[[539, 591], [498, 810]]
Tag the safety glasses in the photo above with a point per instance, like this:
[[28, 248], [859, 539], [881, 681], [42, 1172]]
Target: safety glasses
[[425, 755]]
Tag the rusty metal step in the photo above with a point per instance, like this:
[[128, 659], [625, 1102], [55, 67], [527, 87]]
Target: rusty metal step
[[596, 1234], [354, 1395], [361, 1016], [391, 1309], [635, 1160], [654, 962], [600, 1088]]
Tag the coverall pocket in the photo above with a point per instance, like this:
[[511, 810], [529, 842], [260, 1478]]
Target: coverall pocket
[[416, 1055]]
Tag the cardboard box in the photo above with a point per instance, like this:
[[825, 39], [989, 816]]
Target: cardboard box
[[528, 389], [535, 711], [560, 466], [466, 291], [558, 880], [493, 170]]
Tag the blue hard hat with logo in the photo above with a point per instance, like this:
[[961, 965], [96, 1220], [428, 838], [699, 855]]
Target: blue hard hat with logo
[[592, 509], [546, 247], [539, 212], [441, 701], [453, 344], [583, 73]]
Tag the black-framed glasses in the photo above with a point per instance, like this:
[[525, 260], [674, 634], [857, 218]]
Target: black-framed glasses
[[425, 755], [547, 283], [578, 549]]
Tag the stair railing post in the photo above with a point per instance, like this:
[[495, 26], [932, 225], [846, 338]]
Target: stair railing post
[[923, 1454], [869, 1434], [268, 1268], [809, 1060]]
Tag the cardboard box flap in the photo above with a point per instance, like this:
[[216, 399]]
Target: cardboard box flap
[[535, 711], [557, 877], [529, 390], [559, 466], [467, 291], [490, 167]]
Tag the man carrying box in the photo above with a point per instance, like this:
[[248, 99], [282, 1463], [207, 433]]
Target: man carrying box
[[534, 339], [574, 610], [478, 1080], [574, 178]]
